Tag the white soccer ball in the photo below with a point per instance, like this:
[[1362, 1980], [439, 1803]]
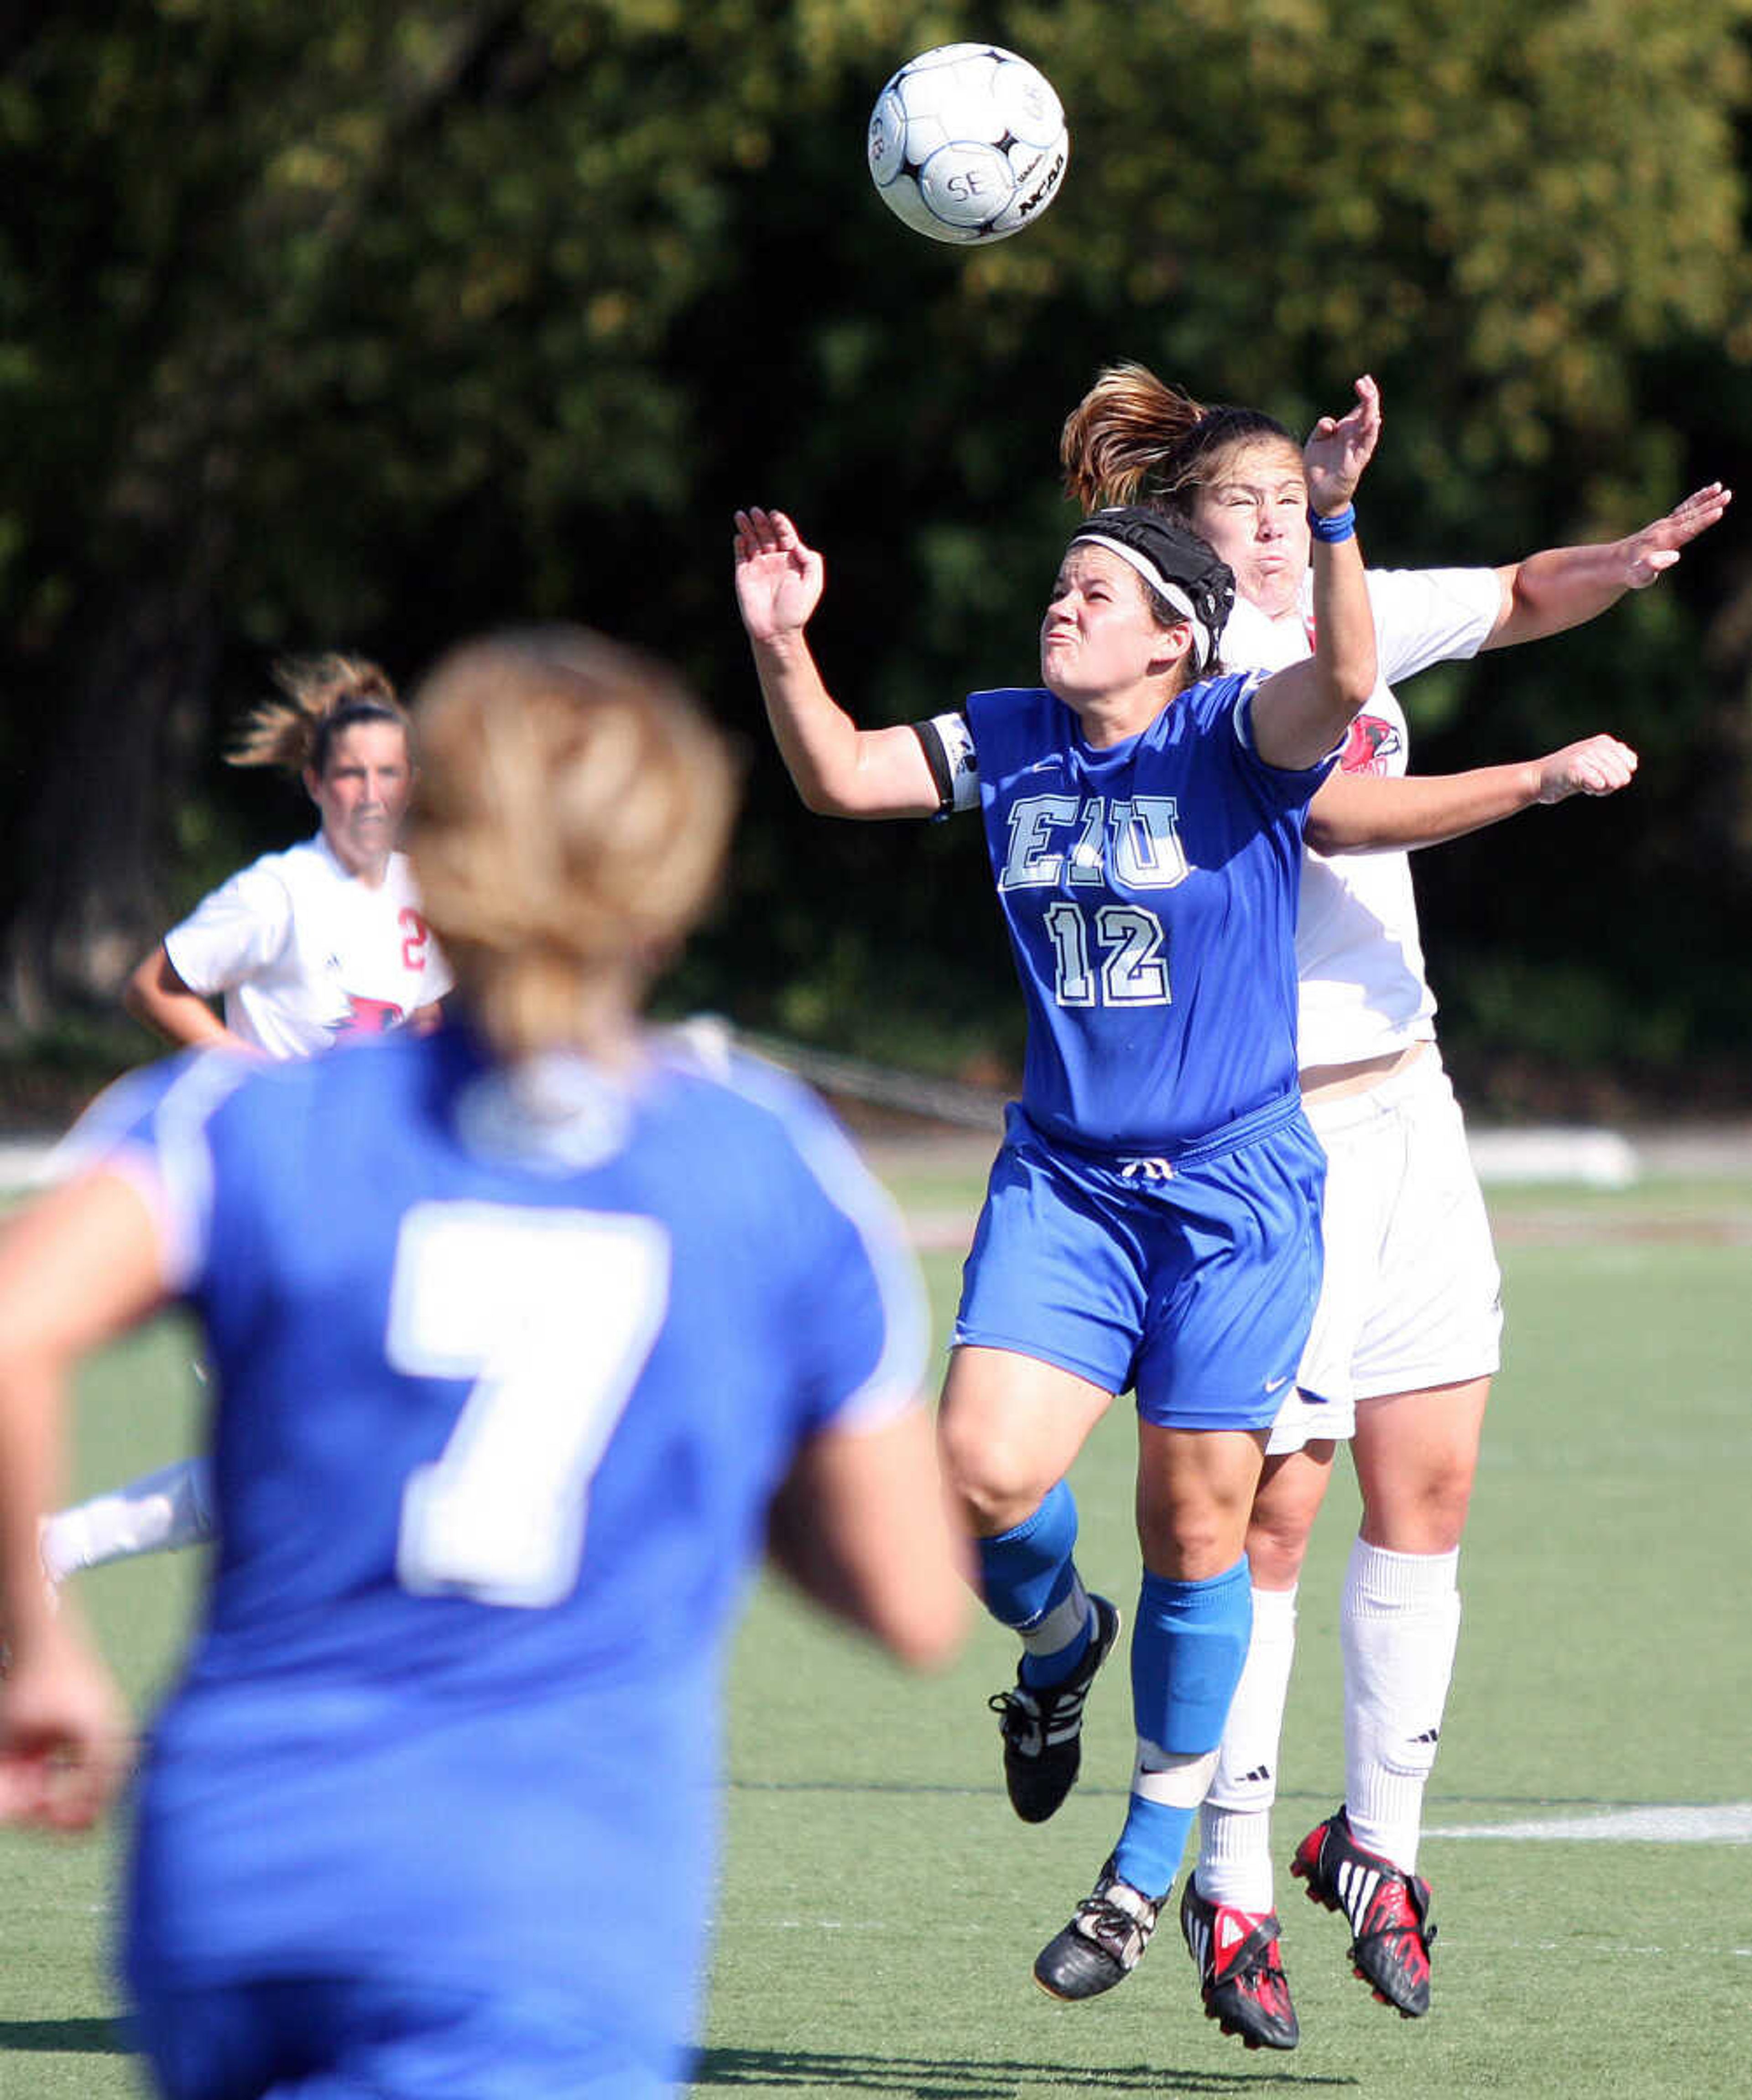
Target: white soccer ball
[[967, 144]]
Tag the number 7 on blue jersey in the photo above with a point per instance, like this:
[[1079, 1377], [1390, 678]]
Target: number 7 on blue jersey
[[550, 1315]]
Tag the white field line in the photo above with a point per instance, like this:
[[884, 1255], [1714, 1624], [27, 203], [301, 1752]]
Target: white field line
[[1726, 1823]]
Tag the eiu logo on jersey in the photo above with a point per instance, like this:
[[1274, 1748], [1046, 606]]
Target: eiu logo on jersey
[[1368, 746], [1059, 839]]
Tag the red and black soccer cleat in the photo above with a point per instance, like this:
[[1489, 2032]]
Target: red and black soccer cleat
[[1388, 1909], [1240, 1975]]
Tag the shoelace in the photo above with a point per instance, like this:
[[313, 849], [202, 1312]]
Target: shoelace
[[1105, 1921], [1019, 1721], [1051, 1706]]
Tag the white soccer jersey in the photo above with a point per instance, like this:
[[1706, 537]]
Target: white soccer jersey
[[1359, 961], [304, 952]]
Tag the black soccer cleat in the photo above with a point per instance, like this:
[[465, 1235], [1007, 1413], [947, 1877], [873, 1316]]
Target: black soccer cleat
[[1042, 1728], [1388, 1909], [1104, 1942], [1240, 1975]]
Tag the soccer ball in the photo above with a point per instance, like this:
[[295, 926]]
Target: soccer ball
[[967, 144]]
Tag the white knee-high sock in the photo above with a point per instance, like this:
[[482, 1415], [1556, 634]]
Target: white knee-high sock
[[1399, 1625], [1234, 1826]]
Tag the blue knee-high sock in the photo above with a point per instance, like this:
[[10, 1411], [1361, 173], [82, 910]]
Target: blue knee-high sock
[[1188, 1648], [1025, 1571]]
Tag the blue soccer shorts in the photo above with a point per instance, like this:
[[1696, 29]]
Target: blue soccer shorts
[[1190, 1279], [363, 2039]]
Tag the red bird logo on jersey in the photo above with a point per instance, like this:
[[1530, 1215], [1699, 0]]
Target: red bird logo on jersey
[[1368, 746], [370, 1017]]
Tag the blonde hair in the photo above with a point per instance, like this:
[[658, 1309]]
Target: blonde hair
[[574, 807], [1133, 438], [318, 697]]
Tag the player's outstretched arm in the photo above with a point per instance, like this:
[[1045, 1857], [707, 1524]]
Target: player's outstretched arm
[[75, 1268], [1300, 714], [862, 1524], [839, 770], [1357, 813], [1565, 586]]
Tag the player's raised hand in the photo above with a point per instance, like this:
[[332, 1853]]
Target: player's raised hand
[[1338, 448], [779, 579], [1597, 766], [65, 1743], [1654, 550]]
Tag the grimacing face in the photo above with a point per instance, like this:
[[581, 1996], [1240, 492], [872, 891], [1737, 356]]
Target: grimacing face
[[1100, 634], [1253, 511]]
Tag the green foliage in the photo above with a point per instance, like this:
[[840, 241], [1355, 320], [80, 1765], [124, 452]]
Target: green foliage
[[361, 323]]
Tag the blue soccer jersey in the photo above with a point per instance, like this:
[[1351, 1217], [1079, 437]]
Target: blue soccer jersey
[[506, 1371], [1150, 892]]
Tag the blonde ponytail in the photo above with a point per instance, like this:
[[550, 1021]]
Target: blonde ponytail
[[318, 696]]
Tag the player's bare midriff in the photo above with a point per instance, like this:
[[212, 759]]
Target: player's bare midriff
[[1332, 1083]]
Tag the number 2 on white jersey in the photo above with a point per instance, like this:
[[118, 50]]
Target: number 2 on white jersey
[[551, 1315]]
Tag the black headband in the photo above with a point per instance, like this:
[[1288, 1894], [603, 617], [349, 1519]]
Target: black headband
[[347, 714], [1174, 561]]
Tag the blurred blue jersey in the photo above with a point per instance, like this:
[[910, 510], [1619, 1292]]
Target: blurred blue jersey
[[1149, 891], [506, 1369]]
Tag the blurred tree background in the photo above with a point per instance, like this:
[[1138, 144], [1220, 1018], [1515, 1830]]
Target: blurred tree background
[[353, 323]]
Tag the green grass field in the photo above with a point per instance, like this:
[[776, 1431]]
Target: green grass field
[[881, 1906]]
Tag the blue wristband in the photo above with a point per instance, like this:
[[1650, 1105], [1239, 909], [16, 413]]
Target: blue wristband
[[1341, 525]]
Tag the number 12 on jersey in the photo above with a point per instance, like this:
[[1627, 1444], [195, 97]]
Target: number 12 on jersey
[[550, 1315], [1123, 966]]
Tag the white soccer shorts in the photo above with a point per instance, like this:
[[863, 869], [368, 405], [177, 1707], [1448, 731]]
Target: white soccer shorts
[[1412, 1294]]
